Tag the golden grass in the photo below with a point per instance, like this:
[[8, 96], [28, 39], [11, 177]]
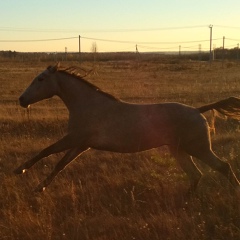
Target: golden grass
[[106, 195]]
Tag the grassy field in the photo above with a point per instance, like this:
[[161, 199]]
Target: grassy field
[[108, 196]]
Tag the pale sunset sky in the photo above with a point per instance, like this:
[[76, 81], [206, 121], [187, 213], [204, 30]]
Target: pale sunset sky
[[154, 25]]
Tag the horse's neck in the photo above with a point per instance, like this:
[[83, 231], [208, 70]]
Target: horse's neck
[[78, 97]]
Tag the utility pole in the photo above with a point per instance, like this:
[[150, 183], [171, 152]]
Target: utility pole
[[223, 49], [79, 47], [136, 49], [65, 53], [137, 54], [199, 52], [210, 52], [237, 50], [179, 50]]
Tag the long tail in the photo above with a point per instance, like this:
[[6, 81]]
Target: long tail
[[229, 107]]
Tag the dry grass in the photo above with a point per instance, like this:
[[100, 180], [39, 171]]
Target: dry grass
[[116, 196]]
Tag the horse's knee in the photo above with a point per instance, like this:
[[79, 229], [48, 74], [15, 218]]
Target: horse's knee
[[194, 184], [224, 168]]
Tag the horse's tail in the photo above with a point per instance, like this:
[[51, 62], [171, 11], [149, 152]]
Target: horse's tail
[[229, 107]]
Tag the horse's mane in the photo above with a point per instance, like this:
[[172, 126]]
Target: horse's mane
[[80, 74]]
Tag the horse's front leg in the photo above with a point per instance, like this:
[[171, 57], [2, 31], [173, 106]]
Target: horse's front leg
[[70, 156], [63, 144]]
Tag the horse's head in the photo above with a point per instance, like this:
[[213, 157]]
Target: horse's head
[[42, 87]]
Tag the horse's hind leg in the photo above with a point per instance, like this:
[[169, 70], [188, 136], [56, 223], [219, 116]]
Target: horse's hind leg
[[188, 166], [210, 158]]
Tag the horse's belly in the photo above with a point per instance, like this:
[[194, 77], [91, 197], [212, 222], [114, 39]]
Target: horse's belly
[[133, 140]]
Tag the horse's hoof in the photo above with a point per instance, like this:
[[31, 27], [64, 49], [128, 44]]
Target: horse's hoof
[[39, 189], [19, 171]]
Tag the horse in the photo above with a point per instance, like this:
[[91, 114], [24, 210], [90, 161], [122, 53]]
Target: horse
[[98, 120]]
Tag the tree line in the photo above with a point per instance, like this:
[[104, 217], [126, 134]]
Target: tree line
[[218, 54]]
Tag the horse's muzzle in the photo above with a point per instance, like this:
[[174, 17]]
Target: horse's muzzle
[[22, 102]]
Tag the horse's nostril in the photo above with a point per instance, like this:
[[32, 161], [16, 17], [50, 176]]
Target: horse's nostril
[[23, 102]]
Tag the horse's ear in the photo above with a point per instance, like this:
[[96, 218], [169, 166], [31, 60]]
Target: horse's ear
[[53, 69], [58, 65]]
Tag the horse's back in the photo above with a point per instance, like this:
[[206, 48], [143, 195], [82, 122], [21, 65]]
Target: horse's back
[[135, 127]]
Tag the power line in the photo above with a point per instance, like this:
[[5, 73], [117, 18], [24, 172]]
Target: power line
[[104, 40], [156, 48], [99, 30], [193, 47], [222, 26], [117, 41], [39, 40], [237, 40]]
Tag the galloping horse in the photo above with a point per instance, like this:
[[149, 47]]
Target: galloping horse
[[100, 121]]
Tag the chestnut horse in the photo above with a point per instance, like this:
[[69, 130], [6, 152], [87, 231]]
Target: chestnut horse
[[100, 121]]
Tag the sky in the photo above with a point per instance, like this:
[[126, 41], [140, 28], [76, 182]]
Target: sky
[[116, 26]]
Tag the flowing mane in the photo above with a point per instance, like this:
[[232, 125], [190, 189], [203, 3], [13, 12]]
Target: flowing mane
[[76, 73]]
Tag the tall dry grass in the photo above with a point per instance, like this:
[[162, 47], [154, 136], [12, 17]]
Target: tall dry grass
[[106, 195]]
